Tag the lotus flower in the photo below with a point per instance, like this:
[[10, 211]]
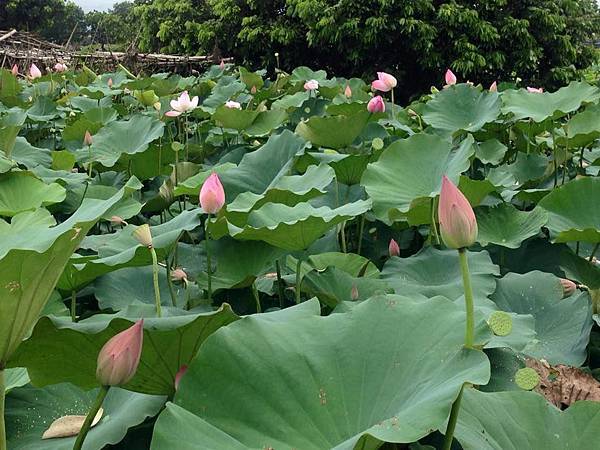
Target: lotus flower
[[376, 105], [116, 220], [119, 358], [494, 87], [182, 105], [534, 90], [15, 70], [393, 248], [60, 67], [179, 375], [253, 90], [450, 78], [212, 195], [179, 275], [232, 105], [354, 292], [87, 138], [222, 65], [384, 82], [458, 225], [348, 91], [311, 85], [568, 287], [34, 72]]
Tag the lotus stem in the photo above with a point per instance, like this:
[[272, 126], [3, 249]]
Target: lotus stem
[[208, 260], [155, 281], [466, 276], [393, 112], [170, 282], [90, 417], [2, 395], [256, 298], [298, 280], [434, 230], [361, 230], [74, 305], [279, 284], [452, 421]]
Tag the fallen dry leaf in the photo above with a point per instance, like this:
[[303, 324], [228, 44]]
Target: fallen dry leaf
[[68, 426]]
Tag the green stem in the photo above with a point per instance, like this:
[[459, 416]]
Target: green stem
[[433, 222], [361, 230], [208, 259], [393, 115], [256, 298], [466, 276], [343, 237], [74, 305], [298, 279], [452, 420], [279, 284], [90, 417], [2, 428], [170, 283], [155, 280], [594, 252], [91, 162]]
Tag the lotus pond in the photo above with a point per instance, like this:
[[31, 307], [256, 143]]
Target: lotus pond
[[316, 306]]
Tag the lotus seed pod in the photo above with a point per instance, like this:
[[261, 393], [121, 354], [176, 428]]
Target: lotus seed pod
[[500, 323], [143, 235], [527, 378]]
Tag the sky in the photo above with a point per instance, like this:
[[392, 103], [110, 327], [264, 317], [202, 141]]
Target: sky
[[98, 5]]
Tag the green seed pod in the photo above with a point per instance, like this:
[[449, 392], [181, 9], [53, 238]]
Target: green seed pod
[[527, 378], [500, 323]]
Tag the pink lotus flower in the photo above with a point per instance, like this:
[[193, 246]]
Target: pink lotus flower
[[182, 105], [212, 195], [458, 225], [253, 90], [34, 72], [119, 358], [60, 67], [110, 83], [15, 70], [384, 82], [311, 85], [376, 105], [348, 91], [535, 90], [354, 292], [494, 87], [450, 78], [222, 65], [179, 375], [232, 105], [393, 248], [568, 287], [87, 138]]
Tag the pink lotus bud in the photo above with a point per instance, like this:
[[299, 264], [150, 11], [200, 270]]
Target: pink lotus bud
[[376, 105], [119, 358], [60, 67], [494, 87], [232, 105], [384, 82], [253, 90], [116, 220], [568, 287], [34, 72], [450, 78], [179, 375], [354, 293], [87, 139], [222, 65], [311, 85], [179, 275], [535, 90], [458, 225], [15, 70], [393, 248], [348, 91], [110, 83], [212, 195]]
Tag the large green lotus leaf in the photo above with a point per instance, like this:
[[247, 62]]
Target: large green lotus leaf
[[491, 151], [410, 169], [121, 137], [582, 129], [539, 107], [74, 133], [225, 89], [288, 190], [291, 101], [238, 119], [59, 350], [562, 325], [32, 258], [351, 263], [14, 378], [437, 272], [21, 191], [573, 212], [125, 209], [10, 125], [30, 411], [30, 156], [348, 167], [462, 107], [191, 186], [527, 167], [333, 131], [10, 86], [43, 110], [290, 228], [238, 263], [265, 122], [333, 381], [121, 249], [519, 420], [505, 225], [304, 73]]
